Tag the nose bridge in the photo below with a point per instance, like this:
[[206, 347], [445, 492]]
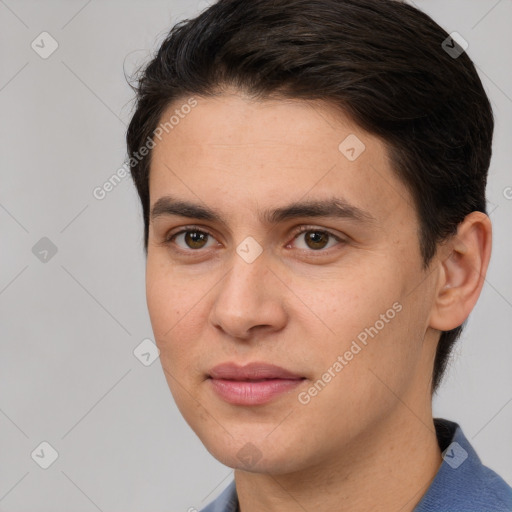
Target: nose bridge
[[244, 284], [245, 297]]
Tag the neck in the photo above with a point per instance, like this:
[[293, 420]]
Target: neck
[[387, 467]]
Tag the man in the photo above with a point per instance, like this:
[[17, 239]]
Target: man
[[313, 192]]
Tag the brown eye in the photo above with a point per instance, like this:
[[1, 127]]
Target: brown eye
[[196, 239], [190, 239], [316, 239]]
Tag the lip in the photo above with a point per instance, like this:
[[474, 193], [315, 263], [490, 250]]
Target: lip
[[253, 384], [251, 371]]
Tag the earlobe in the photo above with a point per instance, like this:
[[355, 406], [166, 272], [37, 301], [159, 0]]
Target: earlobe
[[463, 266]]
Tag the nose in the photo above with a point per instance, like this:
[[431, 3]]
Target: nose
[[249, 300]]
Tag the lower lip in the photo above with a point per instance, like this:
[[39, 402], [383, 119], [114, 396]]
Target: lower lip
[[252, 393]]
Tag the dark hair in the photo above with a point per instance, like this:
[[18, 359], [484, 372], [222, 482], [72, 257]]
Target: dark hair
[[384, 63]]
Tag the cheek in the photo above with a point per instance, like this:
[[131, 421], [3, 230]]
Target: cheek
[[345, 303], [367, 320], [173, 308], [176, 331], [163, 304], [378, 360], [170, 294]]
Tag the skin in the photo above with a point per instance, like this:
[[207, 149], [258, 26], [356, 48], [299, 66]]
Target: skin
[[366, 441]]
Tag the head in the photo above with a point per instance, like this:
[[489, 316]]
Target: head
[[254, 107]]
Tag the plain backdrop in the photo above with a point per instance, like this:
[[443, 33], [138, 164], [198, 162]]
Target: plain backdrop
[[72, 294]]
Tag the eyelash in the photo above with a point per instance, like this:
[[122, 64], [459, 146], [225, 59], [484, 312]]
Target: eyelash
[[169, 240]]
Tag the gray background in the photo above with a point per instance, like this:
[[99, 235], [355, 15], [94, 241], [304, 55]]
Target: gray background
[[70, 325]]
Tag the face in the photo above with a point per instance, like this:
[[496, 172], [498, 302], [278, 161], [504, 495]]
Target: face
[[287, 297]]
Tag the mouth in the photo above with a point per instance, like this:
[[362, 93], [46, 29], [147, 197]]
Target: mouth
[[252, 384]]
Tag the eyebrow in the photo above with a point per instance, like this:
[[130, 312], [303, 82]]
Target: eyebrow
[[332, 207]]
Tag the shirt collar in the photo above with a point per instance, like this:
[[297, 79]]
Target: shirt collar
[[462, 482]]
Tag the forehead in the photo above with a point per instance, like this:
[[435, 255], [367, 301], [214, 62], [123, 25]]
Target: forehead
[[234, 152]]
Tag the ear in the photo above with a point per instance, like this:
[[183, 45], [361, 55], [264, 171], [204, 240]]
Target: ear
[[463, 266]]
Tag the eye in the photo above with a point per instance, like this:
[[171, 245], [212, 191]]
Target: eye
[[190, 238], [316, 239]]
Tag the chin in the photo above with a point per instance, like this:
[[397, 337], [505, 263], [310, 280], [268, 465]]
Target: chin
[[256, 462], [255, 454]]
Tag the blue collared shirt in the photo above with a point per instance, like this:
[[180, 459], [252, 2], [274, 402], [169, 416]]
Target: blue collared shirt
[[462, 483]]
